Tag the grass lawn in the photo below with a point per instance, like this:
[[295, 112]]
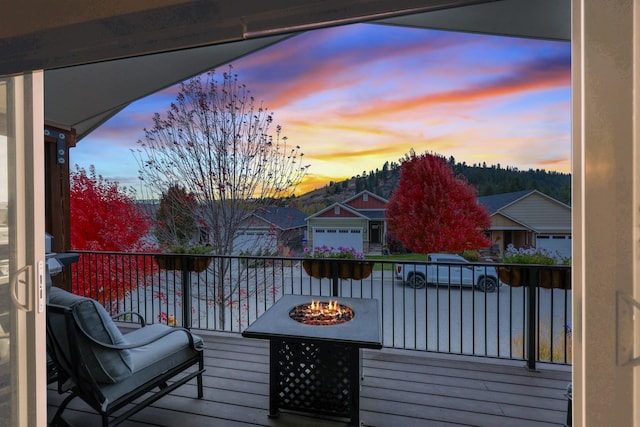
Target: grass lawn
[[398, 257]]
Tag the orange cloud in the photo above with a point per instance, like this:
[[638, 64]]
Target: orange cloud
[[491, 91], [379, 151]]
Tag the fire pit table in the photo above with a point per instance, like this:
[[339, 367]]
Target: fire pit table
[[316, 352]]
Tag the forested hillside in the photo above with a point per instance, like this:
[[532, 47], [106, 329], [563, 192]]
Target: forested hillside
[[488, 179]]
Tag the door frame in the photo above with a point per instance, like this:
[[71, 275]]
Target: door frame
[[25, 161]]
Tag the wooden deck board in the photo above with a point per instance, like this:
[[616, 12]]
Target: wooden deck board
[[400, 388]]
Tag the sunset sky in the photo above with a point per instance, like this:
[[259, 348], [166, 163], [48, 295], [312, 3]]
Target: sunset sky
[[356, 96]]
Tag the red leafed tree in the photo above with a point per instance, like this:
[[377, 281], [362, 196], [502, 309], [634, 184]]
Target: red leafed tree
[[433, 211], [105, 217]]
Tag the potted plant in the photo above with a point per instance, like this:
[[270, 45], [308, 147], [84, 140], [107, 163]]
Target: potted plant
[[173, 257], [345, 263], [548, 277]]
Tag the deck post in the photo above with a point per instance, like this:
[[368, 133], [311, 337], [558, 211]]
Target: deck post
[[335, 272], [532, 284], [186, 292]]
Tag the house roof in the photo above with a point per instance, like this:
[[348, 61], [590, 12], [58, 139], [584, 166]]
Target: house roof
[[496, 202], [370, 214], [347, 208], [360, 194], [376, 214], [285, 218], [531, 209]]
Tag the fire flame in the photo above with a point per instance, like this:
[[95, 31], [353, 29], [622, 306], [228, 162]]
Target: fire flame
[[328, 308], [321, 313]]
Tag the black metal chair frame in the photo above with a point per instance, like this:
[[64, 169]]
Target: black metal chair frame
[[74, 376]]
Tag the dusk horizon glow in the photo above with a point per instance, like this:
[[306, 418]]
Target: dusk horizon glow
[[356, 96]]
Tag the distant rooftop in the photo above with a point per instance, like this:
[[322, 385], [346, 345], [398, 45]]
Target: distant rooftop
[[498, 201], [282, 217]]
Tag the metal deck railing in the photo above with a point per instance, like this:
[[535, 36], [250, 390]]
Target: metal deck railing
[[530, 322]]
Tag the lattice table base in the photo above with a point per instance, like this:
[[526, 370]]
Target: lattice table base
[[315, 376]]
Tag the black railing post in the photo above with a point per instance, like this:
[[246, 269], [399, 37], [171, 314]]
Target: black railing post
[[532, 284], [335, 267], [186, 291]]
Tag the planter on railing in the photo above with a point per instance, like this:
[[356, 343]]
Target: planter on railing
[[511, 276], [197, 264], [548, 277], [554, 278], [356, 270], [319, 268]]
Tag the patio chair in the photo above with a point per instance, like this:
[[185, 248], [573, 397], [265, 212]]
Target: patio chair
[[109, 370]]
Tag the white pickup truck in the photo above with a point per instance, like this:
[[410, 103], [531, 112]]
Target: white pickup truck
[[448, 269]]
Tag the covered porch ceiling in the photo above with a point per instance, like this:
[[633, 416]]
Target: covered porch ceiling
[[82, 97]]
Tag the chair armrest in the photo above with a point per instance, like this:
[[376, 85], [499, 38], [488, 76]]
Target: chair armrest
[[131, 313], [156, 337]]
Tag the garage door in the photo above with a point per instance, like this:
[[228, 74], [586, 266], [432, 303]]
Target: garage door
[[555, 243], [347, 237], [253, 242]]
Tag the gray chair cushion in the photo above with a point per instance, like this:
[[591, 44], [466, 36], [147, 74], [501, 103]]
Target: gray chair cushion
[[106, 365], [153, 359], [168, 345]]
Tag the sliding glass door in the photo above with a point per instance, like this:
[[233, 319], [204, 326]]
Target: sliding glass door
[[22, 268]]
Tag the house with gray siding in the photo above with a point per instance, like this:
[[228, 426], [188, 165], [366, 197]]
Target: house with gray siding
[[529, 218]]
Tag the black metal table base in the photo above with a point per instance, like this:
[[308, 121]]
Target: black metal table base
[[316, 377]]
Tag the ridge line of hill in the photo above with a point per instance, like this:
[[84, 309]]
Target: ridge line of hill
[[487, 180]]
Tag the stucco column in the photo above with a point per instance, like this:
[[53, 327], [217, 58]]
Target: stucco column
[[604, 212]]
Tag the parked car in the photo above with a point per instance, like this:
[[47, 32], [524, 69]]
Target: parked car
[[448, 269]]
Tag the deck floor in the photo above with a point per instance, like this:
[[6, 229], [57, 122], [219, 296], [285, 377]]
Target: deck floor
[[400, 388]]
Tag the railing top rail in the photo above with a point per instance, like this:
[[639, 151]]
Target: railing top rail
[[302, 258]]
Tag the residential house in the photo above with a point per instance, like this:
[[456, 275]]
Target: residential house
[[74, 42], [357, 223], [529, 218], [272, 230]]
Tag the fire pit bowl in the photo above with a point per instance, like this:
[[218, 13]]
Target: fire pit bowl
[[322, 313]]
